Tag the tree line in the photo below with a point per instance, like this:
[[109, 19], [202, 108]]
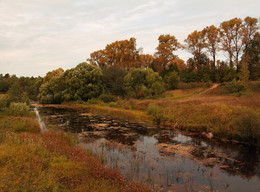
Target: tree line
[[238, 39], [120, 69]]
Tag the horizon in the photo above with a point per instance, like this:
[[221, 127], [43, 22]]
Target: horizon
[[38, 37]]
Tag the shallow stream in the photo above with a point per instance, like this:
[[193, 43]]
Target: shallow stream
[[167, 160]]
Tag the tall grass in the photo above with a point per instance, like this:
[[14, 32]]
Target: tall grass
[[49, 162], [18, 124]]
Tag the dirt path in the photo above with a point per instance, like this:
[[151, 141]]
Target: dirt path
[[214, 86]]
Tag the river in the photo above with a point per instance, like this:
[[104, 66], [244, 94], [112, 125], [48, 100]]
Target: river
[[166, 160]]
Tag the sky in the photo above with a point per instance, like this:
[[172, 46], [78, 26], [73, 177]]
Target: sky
[[37, 36]]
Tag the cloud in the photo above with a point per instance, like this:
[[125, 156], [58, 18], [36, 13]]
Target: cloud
[[41, 35]]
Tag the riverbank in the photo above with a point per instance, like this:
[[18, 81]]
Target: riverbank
[[168, 159], [200, 110], [32, 160]]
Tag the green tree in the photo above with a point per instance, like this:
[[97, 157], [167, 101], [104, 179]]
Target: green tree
[[251, 56], [172, 80], [51, 89], [140, 83], [15, 94], [113, 78], [82, 82]]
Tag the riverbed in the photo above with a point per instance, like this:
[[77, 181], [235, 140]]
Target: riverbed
[[165, 159]]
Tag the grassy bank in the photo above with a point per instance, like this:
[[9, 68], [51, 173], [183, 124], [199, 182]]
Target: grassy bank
[[198, 109], [31, 160]]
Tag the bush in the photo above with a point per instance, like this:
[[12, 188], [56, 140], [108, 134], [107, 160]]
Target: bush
[[247, 126], [18, 109], [107, 98], [156, 112], [235, 88]]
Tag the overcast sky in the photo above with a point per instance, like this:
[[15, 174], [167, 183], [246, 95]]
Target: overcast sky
[[37, 36]]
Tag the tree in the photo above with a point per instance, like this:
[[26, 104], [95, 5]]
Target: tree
[[212, 40], [164, 54], [232, 35], [140, 83], [195, 43], [250, 28], [146, 60], [122, 54], [238, 39], [98, 58], [113, 78], [15, 94], [251, 56], [82, 82], [51, 89], [172, 80], [179, 63], [226, 32], [53, 74]]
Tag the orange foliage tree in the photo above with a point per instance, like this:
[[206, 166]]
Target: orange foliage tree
[[122, 54], [195, 43], [212, 40], [164, 54]]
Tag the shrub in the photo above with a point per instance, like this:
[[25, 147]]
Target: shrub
[[156, 112], [18, 109], [107, 98], [235, 88], [247, 126]]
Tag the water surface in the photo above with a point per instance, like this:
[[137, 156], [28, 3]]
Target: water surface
[[167, 160]]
